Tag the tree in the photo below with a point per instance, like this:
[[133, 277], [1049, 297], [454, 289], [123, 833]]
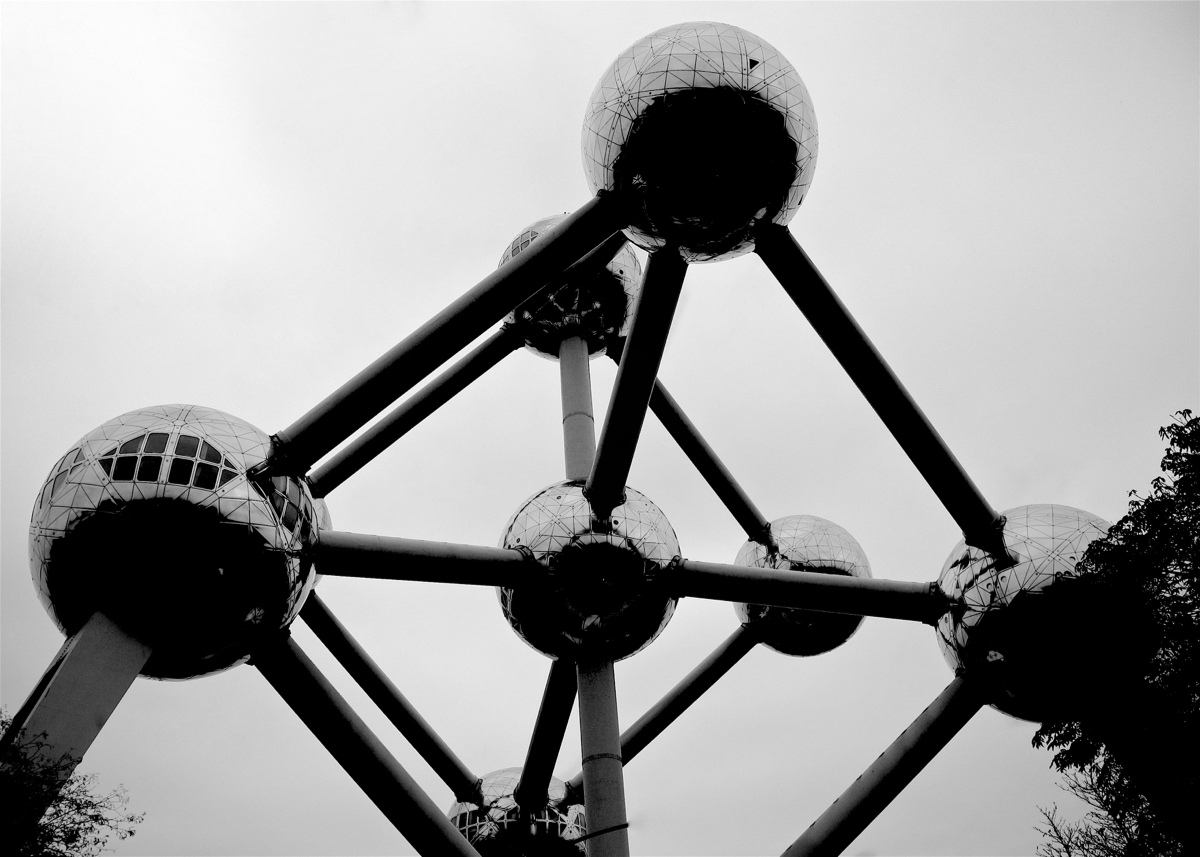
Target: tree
[[1127, 745], [78, 823]]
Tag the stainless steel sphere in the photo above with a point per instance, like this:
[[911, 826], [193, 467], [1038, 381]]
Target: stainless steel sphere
[[806, 543], [708, 131], [988, 619], [153, 519], [496, 827], [602, 600], [598, 307]]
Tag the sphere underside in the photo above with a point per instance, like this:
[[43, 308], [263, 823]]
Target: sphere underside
[[708, 132], [805, 543], [987, 620], [597, 305], [601, 600], [496, 826], [154, 519]]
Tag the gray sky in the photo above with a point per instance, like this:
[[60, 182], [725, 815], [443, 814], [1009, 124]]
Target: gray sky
[[242, 205]]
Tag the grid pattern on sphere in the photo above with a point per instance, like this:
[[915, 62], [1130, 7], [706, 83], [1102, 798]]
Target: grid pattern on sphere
[[160, 442], [700, 55], [1047, 541], [807, 542], [597, 327], [499, 810], [557, 516], [530, 234]]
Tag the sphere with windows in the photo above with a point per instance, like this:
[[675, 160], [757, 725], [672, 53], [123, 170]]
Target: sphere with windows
[[159, 519]]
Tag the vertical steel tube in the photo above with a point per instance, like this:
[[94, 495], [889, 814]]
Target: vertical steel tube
[[603, 781], [67, 709], [715, 473], [887, 776], [358, 751], [635, 379], [390, 700], [664, 712], [408, 415], [579, 426], [354, 403], [810, 292], [557, 701]]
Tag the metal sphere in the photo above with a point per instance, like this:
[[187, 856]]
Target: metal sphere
[[1047, 541], [708, 131], [598, 307], [496, 827], [154, 519], [806, 543], [601, 601]]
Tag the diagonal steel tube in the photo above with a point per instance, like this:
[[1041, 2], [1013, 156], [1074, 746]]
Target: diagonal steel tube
[[358, 751], [408, 415], [980, 522], [714, 471], [391, 701], [348, 408], [664, 712], [809, 590], [887, 776], [357, 555], [557, 701], [630, 397]]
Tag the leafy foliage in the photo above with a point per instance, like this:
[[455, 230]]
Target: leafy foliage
[[1148, 565], [77, 823]]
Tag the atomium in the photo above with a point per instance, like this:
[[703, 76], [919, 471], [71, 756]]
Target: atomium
[[803, 543], [156, 519], [712, 133], [600, 598], [596, 305], [987, 620], [496, 824], [198, 537]]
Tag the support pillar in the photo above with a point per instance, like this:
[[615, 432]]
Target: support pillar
[[579, 425], [603, 780], [68, 707]]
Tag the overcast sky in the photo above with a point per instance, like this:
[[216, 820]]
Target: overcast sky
[[242, 205]]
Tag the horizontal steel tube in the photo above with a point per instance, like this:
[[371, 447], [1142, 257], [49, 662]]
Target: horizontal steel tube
[[664, 712], [558, 699], [715, 473], [408, 415], [358, 751], [349, 407], [810, 291], [808, 590], [357, 555], [363, 669], [887, 776], [636, 374]]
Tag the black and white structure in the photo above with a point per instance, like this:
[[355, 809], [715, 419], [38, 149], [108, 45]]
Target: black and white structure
[[177, 541]]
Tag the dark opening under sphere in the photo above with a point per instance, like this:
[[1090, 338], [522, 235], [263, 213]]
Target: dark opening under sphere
[[708, 132]]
